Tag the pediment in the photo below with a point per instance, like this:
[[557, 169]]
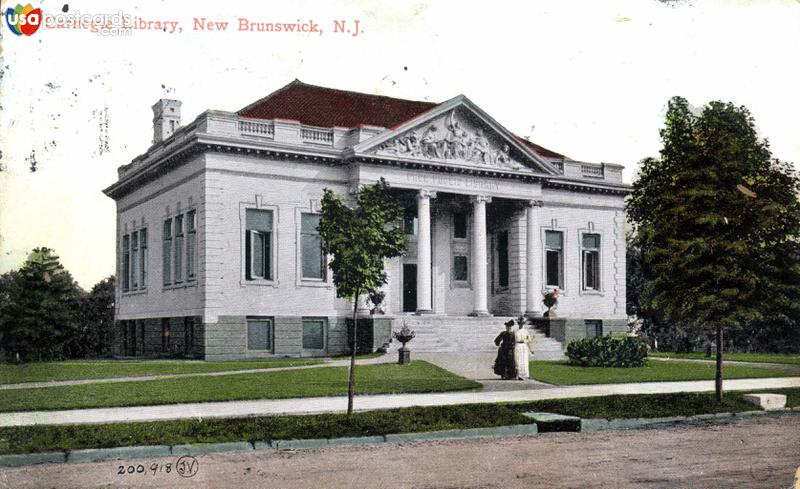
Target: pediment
[[456, 133]]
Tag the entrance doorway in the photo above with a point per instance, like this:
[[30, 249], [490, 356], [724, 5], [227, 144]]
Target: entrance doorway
[[409, 287]]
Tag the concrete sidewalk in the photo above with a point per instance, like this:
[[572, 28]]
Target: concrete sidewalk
[[777, 366], [366, 403]]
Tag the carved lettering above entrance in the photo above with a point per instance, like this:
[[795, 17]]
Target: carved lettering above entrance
[[464, 182], [453, 137]]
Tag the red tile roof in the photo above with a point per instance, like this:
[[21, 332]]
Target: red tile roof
[[540, 150], [328, 107]]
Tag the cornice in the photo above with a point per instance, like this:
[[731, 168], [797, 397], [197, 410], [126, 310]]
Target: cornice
[[203, 143], [582, 186], [199, 143]]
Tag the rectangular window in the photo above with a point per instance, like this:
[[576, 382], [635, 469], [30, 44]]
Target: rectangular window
[[188, 335], [166, 332], [594, 328], [313, 259], [258, 244], [554, 259], [142, 345], [259, 334], [178, 249], [125, 345], [459, 225], [126, 263], [134, 260], [410, 221], [314, 334], [460, 268], [143, 260], [502, 259], [191, 245], [167, 252], [591, 261]]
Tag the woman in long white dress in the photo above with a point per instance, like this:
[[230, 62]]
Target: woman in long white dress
[[522, 349]]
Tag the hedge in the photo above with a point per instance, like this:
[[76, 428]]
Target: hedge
[[608, 351]]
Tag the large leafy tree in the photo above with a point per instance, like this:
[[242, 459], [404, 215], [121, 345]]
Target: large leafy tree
[[95, 333], [39, 310], [717, 220], [6, 281], [360, 238]]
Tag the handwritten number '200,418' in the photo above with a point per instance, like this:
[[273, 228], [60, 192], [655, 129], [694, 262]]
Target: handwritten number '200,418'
[[140, 469]]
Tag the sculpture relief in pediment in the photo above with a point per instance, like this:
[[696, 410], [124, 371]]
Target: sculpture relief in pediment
[[451, 138]]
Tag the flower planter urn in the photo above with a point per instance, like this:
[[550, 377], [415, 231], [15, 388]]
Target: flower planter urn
[[404, 355], [404, 336]]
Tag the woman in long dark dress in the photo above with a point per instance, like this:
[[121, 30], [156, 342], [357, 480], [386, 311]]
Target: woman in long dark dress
[[504, 364]]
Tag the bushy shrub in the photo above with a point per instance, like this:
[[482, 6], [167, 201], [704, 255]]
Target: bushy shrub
[[608, 351]]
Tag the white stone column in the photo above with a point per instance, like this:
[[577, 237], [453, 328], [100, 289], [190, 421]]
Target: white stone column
[[480, 262], [533, 287], [424, 302]]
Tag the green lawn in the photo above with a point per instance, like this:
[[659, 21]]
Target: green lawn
[[45, 438], [419, 376], [74, 370], [654, 371], [741, 357]]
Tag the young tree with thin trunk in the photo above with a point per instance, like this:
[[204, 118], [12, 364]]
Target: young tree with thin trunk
[[360, 239], [716, 218]]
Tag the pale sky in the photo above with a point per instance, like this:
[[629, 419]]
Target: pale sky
[[593, 77]]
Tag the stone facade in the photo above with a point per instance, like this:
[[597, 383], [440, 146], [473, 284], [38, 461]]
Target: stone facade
[[565, 330], [480, 204], [168, 337]]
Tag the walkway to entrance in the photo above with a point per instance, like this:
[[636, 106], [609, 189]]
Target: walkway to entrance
[[477, 366]]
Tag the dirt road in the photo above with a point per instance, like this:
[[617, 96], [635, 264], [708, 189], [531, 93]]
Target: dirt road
[[747, 454]]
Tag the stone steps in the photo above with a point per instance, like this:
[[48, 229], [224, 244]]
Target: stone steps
[[468, 334]]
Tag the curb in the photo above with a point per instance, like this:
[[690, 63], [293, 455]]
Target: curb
[[320, 443], [513, 430], [119, 453], [24, 459], [104, 454], [552, 423], [586, 425], [602, 424], [204, 448]]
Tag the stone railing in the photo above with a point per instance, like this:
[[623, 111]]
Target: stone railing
[[257, 128], [592, 171], [608, 172], [317, 136], [285, 131]]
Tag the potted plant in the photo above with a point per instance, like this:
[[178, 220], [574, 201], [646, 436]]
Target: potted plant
[[405, 335], [551, 302]]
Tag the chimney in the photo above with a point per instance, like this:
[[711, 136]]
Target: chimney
[[166, 119]]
